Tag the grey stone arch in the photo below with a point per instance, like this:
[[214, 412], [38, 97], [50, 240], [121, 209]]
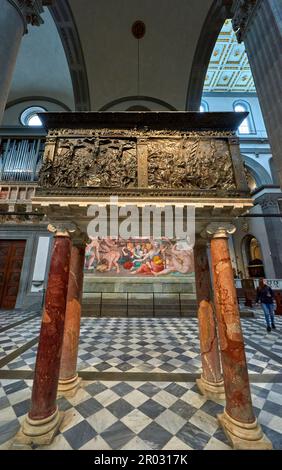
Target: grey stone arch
[[219, 11], [65, 23], [148, 99], [259, 173]]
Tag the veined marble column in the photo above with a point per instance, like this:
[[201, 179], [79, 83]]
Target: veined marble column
[[43, 419], [211, 383], [69, 381], [15, 15], [259, 24], [238, 420]]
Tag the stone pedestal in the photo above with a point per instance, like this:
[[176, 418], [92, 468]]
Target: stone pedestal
[[69, 380], [211, 383], [43, 419], [238, 415]]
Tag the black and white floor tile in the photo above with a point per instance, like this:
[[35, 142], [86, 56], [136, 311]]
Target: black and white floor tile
[[143, 414]]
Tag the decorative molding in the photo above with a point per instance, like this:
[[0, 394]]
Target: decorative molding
[[243, 13], [269, 202], [220, 229], [140, 192], [30, 11]]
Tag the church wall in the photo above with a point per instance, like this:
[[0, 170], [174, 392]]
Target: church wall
[[27, 295]]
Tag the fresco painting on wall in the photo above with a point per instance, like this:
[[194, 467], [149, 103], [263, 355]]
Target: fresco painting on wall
[[138, 257]]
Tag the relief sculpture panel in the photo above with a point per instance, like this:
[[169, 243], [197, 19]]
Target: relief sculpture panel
[[190, 163], [113, 162], [91, 162]]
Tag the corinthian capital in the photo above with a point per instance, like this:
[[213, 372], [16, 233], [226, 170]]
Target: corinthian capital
[[242, 13], [30, 10]]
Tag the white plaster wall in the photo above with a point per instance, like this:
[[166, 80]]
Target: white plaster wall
[[223, 102], [40, 263]]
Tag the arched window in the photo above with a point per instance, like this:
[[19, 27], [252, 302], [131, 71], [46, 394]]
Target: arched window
[[204, 107], [29, 117], [247, 126], [252, 256]]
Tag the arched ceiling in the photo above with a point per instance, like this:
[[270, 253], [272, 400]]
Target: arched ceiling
[[41, 68], [166, 51], [104, 63]]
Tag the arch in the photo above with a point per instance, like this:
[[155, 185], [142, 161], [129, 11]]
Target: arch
[[252, 256], [138, 107], [37, 98], [261, 176], [204, 107], [217, 14], [245, 107], [65, 23], [137, 98]]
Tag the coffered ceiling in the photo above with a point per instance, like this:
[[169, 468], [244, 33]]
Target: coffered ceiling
[[229, 69]]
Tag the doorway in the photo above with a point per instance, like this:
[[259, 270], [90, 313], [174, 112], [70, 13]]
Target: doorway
[[11, 260]]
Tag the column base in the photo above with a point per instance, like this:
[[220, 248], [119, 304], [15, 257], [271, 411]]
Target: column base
[[243, 436], [38, 432], [211, 390], [68, 387]]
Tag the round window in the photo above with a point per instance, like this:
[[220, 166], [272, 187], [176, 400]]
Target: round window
[[30, 118]]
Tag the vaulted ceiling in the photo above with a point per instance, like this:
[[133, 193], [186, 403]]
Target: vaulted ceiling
[[86, 56]]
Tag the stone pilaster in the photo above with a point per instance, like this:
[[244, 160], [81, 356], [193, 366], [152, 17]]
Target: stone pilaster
[[259, 24], [273, 225], [43, 420], [238, 420]]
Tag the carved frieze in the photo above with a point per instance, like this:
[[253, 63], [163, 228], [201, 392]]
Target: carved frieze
[[134, 132], [200, 161], [91, 162], [190, 163]]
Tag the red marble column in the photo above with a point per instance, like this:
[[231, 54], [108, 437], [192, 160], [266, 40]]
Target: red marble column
[[68, 376], [238, 419], [43, 418], [211, 381]]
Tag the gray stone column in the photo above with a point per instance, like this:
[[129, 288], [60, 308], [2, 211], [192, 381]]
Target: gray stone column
[[14, 18], [273, 225], [259, 24]]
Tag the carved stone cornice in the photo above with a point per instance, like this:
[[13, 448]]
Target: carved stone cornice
[[139, 192], [269, 202], [30, 11], [242, 14]]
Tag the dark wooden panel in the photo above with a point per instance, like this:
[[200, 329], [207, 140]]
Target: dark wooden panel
[[11, 260]]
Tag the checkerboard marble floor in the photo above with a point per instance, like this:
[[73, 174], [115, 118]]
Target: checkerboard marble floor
[[145, 414]]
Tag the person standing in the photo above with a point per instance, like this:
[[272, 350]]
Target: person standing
[[266, 297]]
